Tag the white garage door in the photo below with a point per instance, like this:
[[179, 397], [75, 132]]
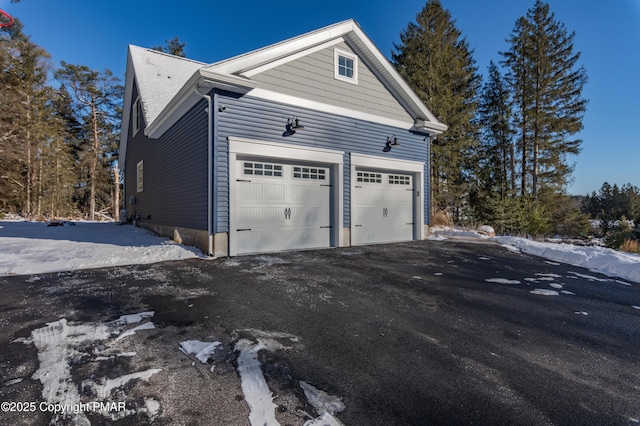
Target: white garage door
[[281, 206], [383, 209]]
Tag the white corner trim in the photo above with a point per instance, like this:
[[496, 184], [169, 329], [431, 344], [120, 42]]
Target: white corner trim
[[331, 109], [385, 163], [280, 150]]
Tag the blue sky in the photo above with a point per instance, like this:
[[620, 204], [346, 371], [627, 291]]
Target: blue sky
[[96, 34]]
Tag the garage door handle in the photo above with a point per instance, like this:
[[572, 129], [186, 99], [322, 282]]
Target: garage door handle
[[324, 227], [242, 180], [243, 229], [409, 223], [357, 226], [357, 186], [325, 185]]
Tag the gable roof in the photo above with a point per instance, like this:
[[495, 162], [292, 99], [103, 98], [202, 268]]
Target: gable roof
[[167, 84], [248, 64]]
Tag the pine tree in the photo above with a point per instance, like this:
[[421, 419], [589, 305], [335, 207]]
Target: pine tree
[[496, 161], [547, 95], [172, 47], [436, 61], [25, 119], [97, 96]]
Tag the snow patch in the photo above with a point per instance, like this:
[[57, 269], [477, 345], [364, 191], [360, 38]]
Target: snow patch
[[61, 345], [588, 277], [322, 401], [604, 260], [34, 248], [325, 419], [104, 389], [254, 386], [502, 281], [202, 350], [545, 292], [131, 332]]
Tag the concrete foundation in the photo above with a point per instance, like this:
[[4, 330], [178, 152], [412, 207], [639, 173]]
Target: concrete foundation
[[192, 237]]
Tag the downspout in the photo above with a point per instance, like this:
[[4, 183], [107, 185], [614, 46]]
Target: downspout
[[209, 171]]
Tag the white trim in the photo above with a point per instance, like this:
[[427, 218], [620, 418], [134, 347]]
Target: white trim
[[136, 115], [245, 62], [281, 150], [393, 164], [243, 146], [336, 66], [331, 109], [140, 176], [384, 163], [251, 72]]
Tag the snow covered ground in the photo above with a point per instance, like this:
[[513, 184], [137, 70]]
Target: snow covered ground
[[600, 259], [35, 248]]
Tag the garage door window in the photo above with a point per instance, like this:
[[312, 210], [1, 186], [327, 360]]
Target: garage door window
[[261, 169], [369, 177], [309, 173], [399, 180]]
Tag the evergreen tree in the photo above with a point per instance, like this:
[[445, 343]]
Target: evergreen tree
[[97, 96], [172, 47], [436, 61], [25, 124], [546, 86], [496, 163]]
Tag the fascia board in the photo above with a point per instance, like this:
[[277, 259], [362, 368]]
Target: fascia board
[[429, 127], [243, 63], [126, 111]]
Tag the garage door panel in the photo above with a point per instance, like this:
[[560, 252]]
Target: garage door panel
[[255, 191], [281, 207], [260, 217], [383, 208]]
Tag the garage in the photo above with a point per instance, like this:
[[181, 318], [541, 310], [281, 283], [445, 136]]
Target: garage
[[383, 207], [386, 200], [282, 206], [283, 197]]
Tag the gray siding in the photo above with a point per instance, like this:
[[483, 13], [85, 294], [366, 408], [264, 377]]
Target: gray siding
[[175, 173], [312, 77], [254, 118]]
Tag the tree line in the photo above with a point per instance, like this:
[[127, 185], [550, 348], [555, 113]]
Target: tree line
[[58, 139], [506, 158]]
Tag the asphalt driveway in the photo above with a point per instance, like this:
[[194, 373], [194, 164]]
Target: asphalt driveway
[[447, 332]]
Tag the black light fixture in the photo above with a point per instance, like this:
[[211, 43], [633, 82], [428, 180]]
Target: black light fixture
[[391, 141], [293, 124]]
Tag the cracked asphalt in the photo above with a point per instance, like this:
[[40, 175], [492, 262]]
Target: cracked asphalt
[[405, 334]]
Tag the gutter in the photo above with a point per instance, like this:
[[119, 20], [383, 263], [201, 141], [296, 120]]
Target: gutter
[[209, 171]]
